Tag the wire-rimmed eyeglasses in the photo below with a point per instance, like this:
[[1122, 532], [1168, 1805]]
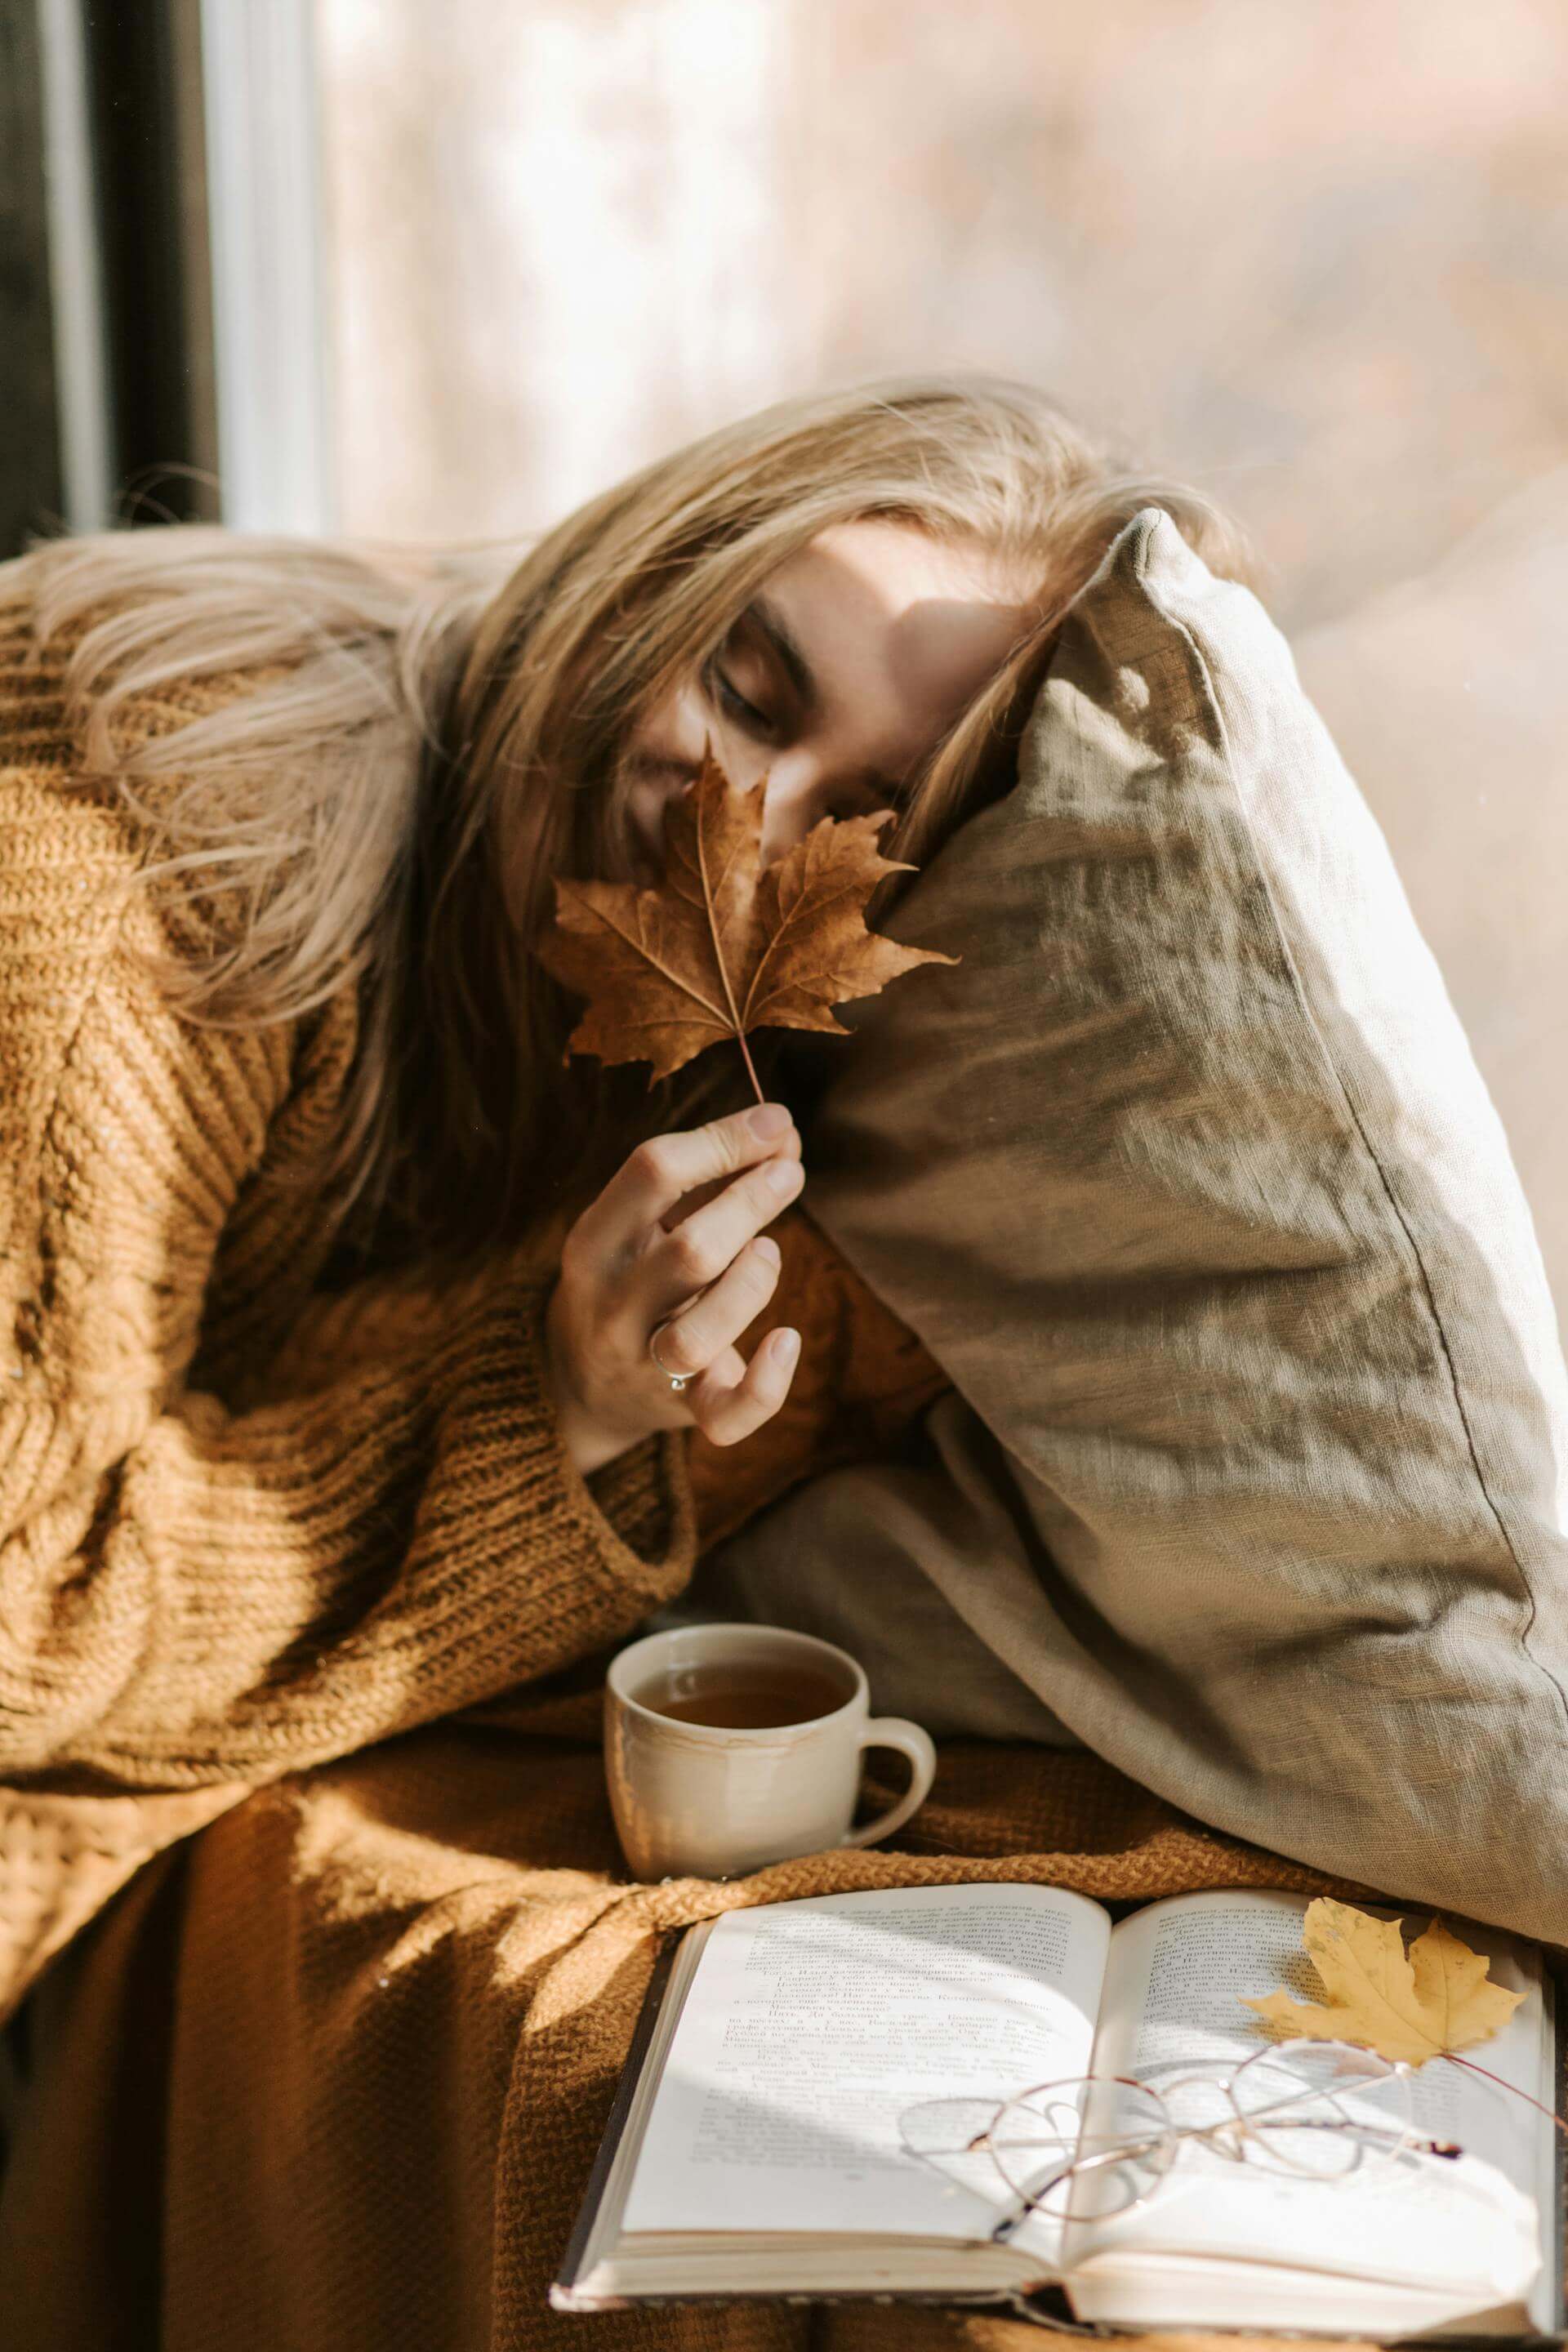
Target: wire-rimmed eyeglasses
[[1090, 2146]]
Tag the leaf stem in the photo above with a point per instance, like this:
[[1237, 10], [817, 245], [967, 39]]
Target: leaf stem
[[1455, 2059], [740, 1041]]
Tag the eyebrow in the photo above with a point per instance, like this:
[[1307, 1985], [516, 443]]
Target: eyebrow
[[802, 677], [786, 644]]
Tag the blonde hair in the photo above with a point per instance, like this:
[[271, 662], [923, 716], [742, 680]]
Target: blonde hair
[[426, 742]]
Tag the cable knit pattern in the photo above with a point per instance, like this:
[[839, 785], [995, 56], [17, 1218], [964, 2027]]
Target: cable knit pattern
[[208, 1577]]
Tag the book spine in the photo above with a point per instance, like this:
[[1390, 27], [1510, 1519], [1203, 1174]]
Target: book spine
[[615, 2126]]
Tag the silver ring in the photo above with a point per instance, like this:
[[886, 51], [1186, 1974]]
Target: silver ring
[[678, 1380]]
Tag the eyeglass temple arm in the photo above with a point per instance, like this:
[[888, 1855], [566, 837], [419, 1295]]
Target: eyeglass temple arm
[[1453, 2056], [1024, 2206]]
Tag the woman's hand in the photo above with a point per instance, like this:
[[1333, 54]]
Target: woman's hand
[[642, 1259]]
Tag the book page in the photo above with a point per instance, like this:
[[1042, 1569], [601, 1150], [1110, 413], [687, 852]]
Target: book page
[[810, 2027], [1172, 1999]]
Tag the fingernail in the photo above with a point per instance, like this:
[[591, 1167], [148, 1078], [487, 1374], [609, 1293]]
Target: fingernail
[[770, 1118], [786, 1346], [767, 1247], [782, 1176]]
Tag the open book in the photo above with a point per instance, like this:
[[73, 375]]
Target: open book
[[755, 2146]]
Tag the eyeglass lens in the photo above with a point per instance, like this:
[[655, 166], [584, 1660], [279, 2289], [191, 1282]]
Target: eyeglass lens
[[1323, 2108], [1101, 2143]]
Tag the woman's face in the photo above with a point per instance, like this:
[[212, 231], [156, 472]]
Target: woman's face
[[836, 682]]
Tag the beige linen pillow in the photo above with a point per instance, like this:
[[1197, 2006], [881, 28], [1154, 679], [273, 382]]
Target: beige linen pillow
[[1256, 1471]]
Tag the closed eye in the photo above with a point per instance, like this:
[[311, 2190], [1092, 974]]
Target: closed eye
[[729, 697]]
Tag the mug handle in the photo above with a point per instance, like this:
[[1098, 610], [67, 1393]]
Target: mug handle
[[896, 1731]]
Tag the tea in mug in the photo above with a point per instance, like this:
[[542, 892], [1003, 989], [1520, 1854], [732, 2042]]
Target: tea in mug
[[735, 1696]]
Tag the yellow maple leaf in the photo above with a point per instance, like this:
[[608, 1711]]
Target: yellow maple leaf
[[1421, 2003]]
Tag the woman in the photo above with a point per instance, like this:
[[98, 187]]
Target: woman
[[357, 1339]]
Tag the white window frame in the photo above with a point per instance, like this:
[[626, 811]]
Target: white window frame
[[76, 269], [270, 322]]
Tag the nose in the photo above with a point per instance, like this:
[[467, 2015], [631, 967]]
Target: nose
[[790, 806]]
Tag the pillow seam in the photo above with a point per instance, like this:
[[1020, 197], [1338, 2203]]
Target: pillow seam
[[1212, 698]]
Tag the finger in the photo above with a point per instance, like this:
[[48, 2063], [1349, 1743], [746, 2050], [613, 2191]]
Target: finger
[[689, 1341], [726, 1409], [664, 1167], [789, 1148], [703, 1245]]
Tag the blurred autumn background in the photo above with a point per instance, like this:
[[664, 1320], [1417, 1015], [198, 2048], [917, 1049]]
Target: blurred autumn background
[[447, 267]]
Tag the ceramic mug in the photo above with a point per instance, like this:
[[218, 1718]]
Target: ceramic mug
[[709, 1800]]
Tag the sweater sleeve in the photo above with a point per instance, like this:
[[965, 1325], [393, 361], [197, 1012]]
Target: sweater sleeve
[[191, 1594]]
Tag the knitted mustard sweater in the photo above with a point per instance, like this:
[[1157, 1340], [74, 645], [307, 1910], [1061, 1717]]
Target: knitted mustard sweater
[[243, 1528]]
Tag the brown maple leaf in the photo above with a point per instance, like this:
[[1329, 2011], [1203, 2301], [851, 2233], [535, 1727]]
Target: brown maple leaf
[[724, 945]]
